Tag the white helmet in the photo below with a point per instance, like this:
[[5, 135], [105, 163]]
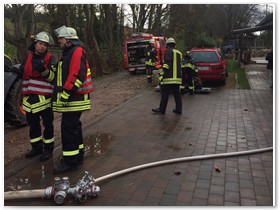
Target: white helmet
[[66, 32], [152, 41], [44, 37], [170, 41]]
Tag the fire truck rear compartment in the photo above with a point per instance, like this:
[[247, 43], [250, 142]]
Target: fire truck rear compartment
[[136, 53]]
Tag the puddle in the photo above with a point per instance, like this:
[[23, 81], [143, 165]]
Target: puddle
[[38, 176], [19, 184], [97, 144], [34, 176], [94, 145]]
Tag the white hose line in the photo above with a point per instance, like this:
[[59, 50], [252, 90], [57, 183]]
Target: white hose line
[[168, 161], [41, 192]]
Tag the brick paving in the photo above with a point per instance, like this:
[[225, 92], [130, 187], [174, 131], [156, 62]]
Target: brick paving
[[226, 120]]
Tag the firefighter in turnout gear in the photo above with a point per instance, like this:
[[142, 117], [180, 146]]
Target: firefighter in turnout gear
[[170, 78], [72, 87], [151, 57], [189, 71], [37, 93]]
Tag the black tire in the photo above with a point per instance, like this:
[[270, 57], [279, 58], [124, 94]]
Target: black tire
[[14, 114]]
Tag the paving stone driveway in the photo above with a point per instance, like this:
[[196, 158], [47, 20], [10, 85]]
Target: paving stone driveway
[[224, 121]]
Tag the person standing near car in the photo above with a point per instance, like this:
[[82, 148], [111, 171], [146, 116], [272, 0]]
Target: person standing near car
[[37, 92], [170, 78], [72, 88], [269, 67], [189, 71], [150, 61]]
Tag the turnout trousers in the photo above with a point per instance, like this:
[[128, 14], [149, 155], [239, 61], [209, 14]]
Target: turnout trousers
[[165, 90], [190, 81], [38, 141], [72, 138], [149, 72]]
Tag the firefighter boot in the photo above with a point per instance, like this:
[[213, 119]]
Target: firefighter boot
[[158, 111], [177, 112], [46, 155], [80, 161], [65, 168], [33, 153]]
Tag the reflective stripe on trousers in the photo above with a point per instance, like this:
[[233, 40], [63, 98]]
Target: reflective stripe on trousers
[[72, 137]]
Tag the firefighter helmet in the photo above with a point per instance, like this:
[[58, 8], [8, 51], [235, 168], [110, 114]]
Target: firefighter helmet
[[170, 41], [188, 55], [66, 32], [42, 36], [152, 41]]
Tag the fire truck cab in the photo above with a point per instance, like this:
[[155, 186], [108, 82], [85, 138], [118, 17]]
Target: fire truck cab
[[134, 51]]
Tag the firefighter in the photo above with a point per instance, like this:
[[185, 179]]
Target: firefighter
[[170, 78], [189, 71], [72, 88], [151, 57], [37, 93]]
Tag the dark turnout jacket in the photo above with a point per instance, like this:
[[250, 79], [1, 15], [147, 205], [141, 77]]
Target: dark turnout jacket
[[269, 58]]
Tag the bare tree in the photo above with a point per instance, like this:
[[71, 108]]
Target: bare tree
[[140, 14], [111, 22], [239, 15], [22, 17], [90, 14]]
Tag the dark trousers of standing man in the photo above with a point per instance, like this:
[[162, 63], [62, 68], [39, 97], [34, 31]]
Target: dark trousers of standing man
[[72, 138], [35, 132], [165, 90]]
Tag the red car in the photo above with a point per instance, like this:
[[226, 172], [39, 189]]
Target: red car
[[212, 66]]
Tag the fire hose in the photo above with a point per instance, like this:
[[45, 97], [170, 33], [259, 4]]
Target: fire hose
[[86, 186]]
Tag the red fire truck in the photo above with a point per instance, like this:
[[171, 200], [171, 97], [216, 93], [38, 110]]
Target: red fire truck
[[134, 51]]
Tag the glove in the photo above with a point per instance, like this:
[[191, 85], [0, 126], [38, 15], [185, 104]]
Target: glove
[[38, 66], [63, 100], [160, 75]]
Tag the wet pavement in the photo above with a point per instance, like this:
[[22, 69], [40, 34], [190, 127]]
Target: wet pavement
[[224, 121]]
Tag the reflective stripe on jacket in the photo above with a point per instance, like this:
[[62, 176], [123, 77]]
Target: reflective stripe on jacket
[[73, 75], [36, 103], [32, 81], [172, 73], [186, 64], [151, 55]]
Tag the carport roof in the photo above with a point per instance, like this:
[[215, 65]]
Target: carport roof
[[265, 24]]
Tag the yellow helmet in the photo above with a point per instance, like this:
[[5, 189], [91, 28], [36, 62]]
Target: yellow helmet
[[66, 32]]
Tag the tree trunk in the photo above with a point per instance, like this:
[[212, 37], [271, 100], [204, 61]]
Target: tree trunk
[[23, 20], [95, 60]]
